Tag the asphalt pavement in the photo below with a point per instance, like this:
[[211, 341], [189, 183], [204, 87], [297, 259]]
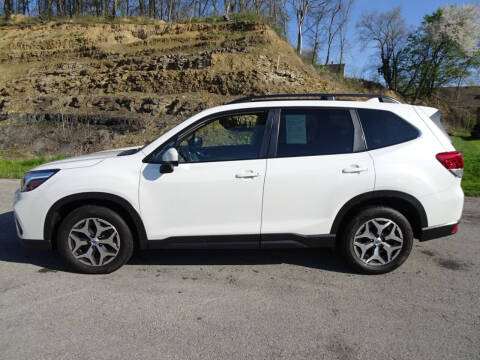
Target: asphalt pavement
[[269, 304]]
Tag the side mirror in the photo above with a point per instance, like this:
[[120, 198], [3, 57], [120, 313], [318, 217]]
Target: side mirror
[[169, 160]]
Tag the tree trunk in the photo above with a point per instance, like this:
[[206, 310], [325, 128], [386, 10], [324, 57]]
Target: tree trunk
[[227, 11], [315, 52], [327, 59], [300, 39], [7, 8], [329, 47], [460, 79], [341, 53], [170, 6], [48, 8]]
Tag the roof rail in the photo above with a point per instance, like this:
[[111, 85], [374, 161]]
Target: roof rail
[[278, 97]]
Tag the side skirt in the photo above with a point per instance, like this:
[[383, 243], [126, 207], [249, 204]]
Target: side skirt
[[265, 241]]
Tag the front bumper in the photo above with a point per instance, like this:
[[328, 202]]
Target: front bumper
[[436, 232], [30, 209], [35, 244]]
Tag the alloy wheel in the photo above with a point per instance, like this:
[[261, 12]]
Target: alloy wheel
[[94, 242], [378, 241]]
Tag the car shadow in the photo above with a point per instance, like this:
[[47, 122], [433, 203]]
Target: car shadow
[[12, 251], [321, 259], [468, 138]]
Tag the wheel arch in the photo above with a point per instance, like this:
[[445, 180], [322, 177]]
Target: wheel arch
[[407, 204], [62, 207]]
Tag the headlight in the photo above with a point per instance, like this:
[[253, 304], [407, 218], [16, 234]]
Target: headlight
[[34, 179]]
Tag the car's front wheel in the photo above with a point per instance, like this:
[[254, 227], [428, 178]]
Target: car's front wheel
[[377, 240], [94, 240]]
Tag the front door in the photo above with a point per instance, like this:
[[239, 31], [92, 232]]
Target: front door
[[215, 193]]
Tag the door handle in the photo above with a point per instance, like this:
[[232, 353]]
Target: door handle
[[247, 174], [354, 169]]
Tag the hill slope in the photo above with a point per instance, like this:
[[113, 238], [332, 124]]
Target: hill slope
[[71, 88]]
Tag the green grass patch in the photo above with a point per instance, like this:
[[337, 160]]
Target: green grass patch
[[15, 169], [471, 156]]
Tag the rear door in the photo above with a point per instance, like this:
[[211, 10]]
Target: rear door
[[317, 163]]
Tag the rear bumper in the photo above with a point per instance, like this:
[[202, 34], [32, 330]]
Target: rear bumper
[[436, 232]]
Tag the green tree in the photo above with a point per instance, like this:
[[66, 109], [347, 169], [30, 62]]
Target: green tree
[[442, 51]]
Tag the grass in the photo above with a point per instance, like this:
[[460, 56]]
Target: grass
[[471, 156], [15, 169]]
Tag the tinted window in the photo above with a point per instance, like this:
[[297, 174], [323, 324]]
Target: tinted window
[[232, 137], [383, 128], [305, 132]]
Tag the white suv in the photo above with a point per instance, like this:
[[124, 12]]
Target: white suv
[[263, 172]]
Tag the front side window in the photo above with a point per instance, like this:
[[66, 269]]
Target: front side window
[[306, 132], [384, 128], [230, 137]]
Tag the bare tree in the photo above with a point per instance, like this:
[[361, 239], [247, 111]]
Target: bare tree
[[387, 32], [301, 8], [227, 5], [8, 8], [342, 28], [277, 13], [315, 27], [332, 27], [114, 8], [316, 41], [342, 43], [23, 6]]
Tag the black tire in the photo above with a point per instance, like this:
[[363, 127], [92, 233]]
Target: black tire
[[92, 211], [356, 223]]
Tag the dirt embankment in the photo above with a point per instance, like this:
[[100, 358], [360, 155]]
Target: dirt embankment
[[73, 88]]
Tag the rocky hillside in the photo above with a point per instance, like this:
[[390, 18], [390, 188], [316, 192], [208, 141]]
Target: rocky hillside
[[72, 88]]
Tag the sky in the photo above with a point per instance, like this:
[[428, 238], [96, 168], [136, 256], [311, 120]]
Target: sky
[[358, 59]]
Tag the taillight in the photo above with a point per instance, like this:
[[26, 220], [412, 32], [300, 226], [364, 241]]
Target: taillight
[[455, 229], [453, 161]]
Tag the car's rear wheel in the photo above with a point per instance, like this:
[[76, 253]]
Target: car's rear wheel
[[94, 240], [377, 240]]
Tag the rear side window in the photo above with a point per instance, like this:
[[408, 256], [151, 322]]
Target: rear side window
[[383, 128], [305, 132]]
